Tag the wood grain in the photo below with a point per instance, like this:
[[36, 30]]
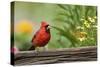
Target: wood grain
[[56, 56]]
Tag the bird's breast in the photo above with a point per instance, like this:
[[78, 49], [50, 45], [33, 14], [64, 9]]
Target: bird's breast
[[42, 38]]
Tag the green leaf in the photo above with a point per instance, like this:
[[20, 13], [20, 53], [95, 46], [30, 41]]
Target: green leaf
[[67, 34], [61, 6]]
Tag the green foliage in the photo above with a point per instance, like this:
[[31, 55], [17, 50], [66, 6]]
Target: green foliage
[[22, 41], [67, 34], [79, 23]]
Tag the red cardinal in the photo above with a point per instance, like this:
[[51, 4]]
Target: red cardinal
[[42, 36]]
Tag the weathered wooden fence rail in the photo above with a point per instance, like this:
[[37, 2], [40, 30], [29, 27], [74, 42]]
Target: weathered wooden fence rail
[[56, 56]]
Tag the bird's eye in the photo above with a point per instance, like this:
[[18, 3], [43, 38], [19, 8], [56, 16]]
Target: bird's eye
[[47, 28]]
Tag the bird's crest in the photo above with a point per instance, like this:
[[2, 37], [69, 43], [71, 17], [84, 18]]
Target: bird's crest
[[43, 23]]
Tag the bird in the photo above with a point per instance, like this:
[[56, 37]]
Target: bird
[[42, 36]]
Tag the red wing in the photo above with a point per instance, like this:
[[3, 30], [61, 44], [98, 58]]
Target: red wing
[[35, 36]]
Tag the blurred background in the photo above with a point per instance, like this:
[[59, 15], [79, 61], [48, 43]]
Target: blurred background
[[72, 25]]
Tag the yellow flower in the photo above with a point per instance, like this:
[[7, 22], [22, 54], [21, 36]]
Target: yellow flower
[[86, 24], [95, 17], [91, 19], [24, 27], [82, 39], [81, 35], [79, 27]]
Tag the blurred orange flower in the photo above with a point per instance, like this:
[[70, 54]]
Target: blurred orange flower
[[24, 27]]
